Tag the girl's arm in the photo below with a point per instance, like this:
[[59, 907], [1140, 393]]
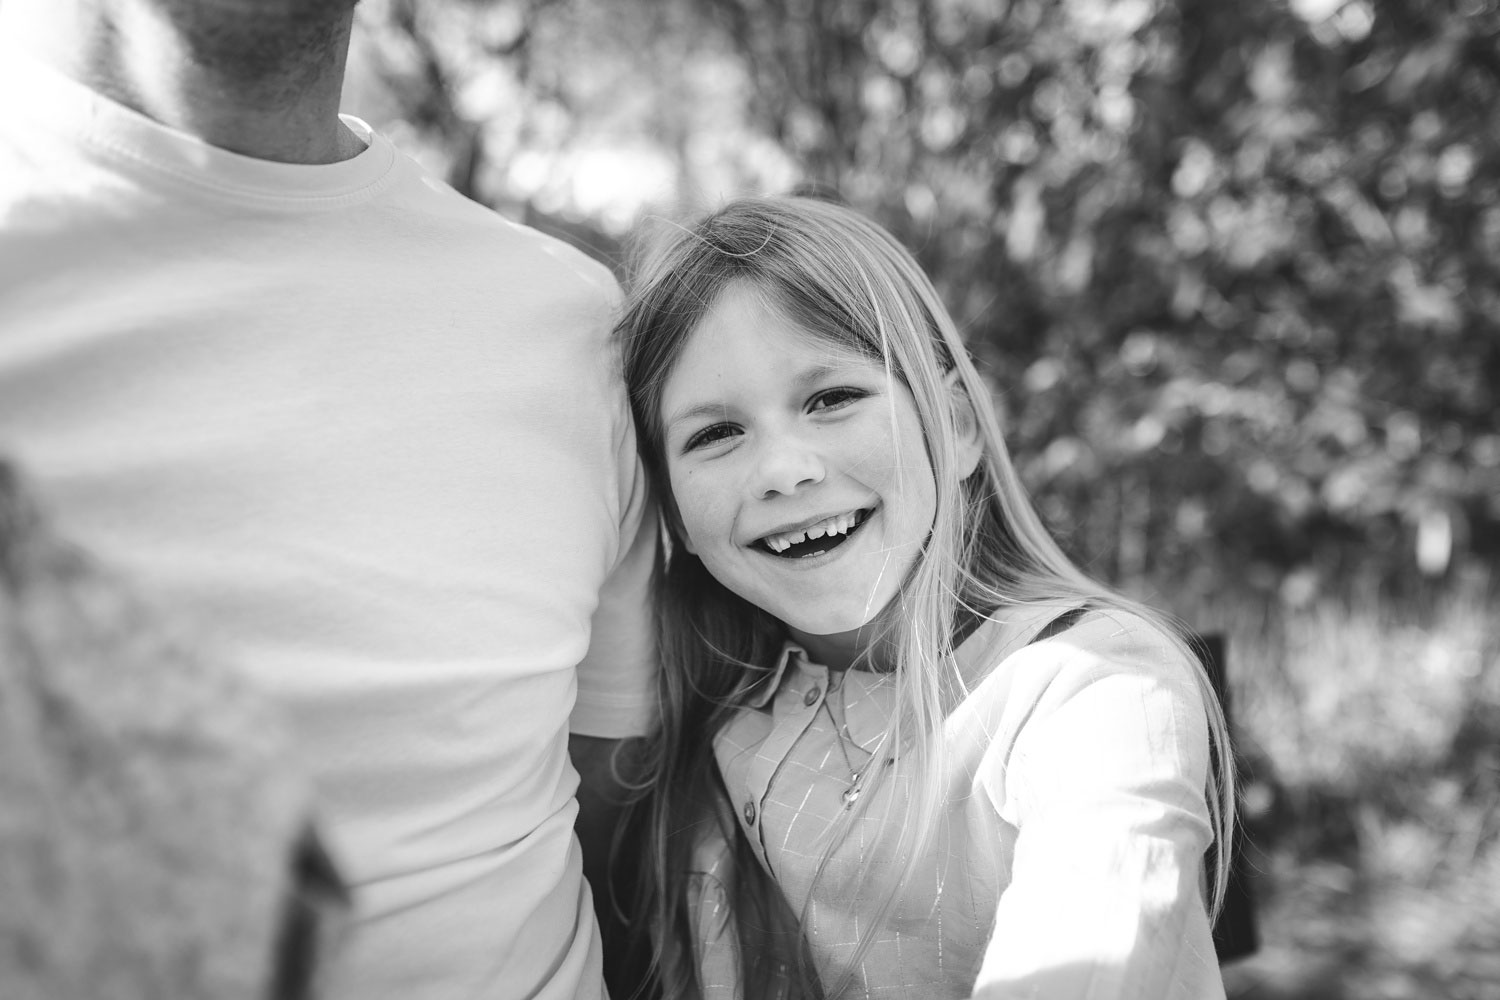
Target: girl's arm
[[1100, 761]]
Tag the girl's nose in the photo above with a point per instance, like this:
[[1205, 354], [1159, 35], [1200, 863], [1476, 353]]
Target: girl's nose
[[784, 465]]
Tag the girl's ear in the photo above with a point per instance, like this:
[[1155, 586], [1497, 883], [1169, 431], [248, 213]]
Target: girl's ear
[[968, 444]]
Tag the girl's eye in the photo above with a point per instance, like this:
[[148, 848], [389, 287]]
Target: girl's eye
[[833, 399], [709, 435]]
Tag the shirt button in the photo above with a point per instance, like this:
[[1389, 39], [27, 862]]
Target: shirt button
[[811, 697], [750, 813]]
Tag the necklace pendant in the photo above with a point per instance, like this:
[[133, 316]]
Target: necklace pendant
[[851, 794]]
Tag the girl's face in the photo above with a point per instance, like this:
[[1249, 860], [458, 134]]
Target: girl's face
[[799, 469]]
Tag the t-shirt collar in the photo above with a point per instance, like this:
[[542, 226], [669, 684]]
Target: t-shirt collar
[[34, 91]]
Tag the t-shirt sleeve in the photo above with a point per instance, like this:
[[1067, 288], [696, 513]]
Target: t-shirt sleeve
[[617, 678], [1104, 780]]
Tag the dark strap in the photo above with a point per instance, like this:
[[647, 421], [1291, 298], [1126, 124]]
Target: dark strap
[[314, 918], [1060, 624]]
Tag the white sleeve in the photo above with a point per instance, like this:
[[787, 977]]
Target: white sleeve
[[617, 677], [1104, 781]]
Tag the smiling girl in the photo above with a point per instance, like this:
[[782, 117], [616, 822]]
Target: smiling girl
[[906, 748]]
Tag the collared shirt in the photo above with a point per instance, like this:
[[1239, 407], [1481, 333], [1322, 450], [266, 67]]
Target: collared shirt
[[1070, 857]]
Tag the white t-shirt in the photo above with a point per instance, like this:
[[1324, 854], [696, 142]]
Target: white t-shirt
[[367, 440]]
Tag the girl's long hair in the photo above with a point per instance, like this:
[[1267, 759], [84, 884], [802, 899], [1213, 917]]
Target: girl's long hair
[[841, 277]]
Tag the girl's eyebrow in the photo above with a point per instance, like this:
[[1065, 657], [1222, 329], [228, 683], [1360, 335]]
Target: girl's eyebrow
[[701, 410], [817, 373], [808, 376]]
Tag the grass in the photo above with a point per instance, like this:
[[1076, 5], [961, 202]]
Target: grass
[[1370, 729]]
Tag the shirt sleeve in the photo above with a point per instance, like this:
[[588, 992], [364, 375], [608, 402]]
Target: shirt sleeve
[[616, 679], [1101, 766], [617, 676]]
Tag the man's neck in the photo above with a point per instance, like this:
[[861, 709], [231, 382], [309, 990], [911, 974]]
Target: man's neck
[[261, 87]]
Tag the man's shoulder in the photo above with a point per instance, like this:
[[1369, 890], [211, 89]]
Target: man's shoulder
[[569, 257], [516, 239]]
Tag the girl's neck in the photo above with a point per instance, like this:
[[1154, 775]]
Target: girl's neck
[[871, 647], [874, 647], [868, 647]]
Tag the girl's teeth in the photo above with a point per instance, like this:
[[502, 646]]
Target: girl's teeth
[[839, 524]]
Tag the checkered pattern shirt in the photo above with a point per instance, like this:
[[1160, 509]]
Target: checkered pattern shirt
[[1068, 863]]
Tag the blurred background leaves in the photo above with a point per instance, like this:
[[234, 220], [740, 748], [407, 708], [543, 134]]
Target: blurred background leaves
[[1235, 263], [1233, 270]]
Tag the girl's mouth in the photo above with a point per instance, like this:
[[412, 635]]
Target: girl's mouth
[[815, 539]]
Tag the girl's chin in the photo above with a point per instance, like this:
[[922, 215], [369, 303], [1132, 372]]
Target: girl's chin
[[833, 624], [825, 627]]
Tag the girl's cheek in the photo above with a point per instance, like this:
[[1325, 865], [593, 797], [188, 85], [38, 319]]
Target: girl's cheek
[[692, 503]]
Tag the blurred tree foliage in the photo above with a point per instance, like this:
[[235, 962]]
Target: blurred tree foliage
[[1232, 267]]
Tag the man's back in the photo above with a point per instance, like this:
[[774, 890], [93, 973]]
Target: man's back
[[365, 439]]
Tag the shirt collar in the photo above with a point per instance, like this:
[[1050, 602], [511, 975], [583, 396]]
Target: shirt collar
[[866, 714], [763, 692]]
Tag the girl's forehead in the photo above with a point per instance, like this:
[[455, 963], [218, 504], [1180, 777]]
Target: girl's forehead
[[746, 309]]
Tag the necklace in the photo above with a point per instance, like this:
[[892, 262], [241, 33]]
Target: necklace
[[841, 730]]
